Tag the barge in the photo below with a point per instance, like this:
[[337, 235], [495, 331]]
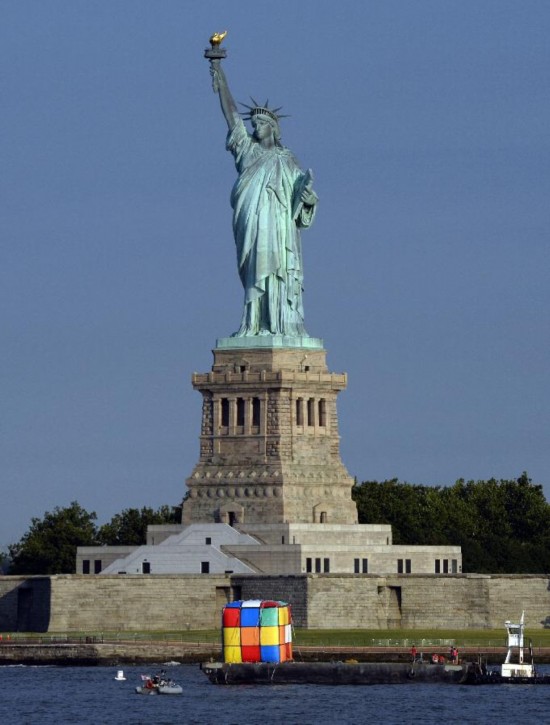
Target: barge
[[333, 673], [257, 650]]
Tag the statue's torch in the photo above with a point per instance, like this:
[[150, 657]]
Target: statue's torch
[[214, 54]]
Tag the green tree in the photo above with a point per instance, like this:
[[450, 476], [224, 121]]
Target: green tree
[[509, 524], [414, 511], [130, 526], [49, 546], [502, 526], [4, 562]]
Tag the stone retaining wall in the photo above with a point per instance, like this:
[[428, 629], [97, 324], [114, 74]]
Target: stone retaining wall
[[65, 603], [119, 653], [112, 603]]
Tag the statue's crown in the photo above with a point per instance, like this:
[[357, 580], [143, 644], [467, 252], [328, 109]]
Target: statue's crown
[[259, 110]]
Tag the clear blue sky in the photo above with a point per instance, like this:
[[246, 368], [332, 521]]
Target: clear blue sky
[[427, 126]]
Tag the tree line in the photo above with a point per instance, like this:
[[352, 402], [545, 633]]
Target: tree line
[[502, 526], [49, 546]]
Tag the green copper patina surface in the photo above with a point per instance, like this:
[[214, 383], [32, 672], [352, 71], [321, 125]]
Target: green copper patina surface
[[272, 341], [272, 201]]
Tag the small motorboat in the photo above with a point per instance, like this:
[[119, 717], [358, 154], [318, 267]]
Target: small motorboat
[[120, 676], [158, 685], [520, 669], [511, 672]]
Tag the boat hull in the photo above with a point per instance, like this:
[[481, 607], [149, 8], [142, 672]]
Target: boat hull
[[162, 690]]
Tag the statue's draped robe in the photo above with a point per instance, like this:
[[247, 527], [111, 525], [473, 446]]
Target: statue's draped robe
[[265, 200]]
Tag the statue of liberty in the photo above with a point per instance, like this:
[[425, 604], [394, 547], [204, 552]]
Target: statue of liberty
[[272, 200]]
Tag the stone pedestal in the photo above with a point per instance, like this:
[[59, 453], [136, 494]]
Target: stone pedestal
[[269, 444]]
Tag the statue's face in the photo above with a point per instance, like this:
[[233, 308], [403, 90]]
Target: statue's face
[[262, 128]]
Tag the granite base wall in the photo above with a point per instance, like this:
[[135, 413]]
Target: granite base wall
[[292, 589], [66, 603], [466, 601], [25, 604], [113, 603]]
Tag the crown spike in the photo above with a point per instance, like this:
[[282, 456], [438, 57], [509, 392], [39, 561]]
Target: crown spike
[[258, 109]]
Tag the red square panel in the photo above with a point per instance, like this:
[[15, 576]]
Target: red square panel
[[251, 653]]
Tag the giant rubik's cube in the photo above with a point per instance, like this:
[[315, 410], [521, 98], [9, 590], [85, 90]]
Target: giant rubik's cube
[[257, 631]]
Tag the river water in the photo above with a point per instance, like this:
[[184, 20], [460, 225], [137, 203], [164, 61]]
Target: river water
[[90, 695]]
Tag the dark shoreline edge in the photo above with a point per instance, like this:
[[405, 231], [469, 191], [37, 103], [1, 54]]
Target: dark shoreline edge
[[130, 653], [90, 655]]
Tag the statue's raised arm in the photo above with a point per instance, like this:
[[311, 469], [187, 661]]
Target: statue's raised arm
[[272, 200], [219, 83]]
